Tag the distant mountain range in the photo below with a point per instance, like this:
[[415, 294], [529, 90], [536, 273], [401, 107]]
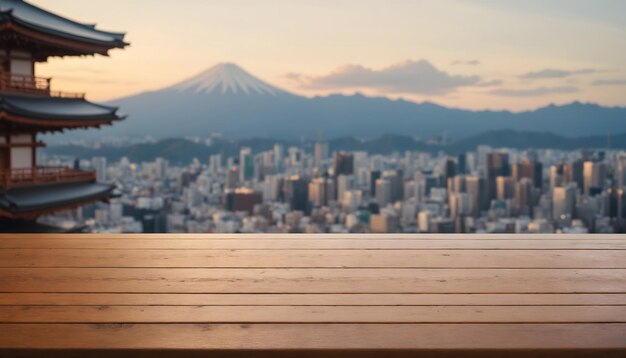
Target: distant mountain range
[[183, 150], [228, 100]]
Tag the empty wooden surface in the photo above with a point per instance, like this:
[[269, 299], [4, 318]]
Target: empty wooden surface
[[303, 295]]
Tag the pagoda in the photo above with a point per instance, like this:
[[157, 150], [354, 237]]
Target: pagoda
[[29, 107]]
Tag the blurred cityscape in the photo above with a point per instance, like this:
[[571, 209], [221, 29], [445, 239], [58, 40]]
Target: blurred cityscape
[[296, 190]]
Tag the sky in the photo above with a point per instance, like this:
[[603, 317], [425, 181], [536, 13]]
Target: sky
[[476, 54]]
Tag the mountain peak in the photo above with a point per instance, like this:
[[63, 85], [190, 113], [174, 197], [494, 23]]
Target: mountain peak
[[227, 78]]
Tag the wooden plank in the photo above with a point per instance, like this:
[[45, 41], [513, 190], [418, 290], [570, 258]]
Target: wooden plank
[[296, 337], [288, 244], [164, 299], [219, 236], [312, 314], [314, 280], [313, 258]]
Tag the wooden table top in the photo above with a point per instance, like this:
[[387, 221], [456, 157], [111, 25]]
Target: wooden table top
[[312, 295]]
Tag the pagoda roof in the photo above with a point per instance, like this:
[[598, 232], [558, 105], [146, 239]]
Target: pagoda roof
[[41, 200], [34, 20], [55, 112]]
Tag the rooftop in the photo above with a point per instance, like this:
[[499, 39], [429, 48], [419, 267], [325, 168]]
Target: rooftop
[[303, 295], [33, 201], [55, 111], [33, 22]]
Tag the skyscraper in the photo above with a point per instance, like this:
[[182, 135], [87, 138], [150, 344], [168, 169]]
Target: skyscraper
[[620, 170], [564, 201], [295, 192], [505, 188], [477, 188], [321, 154], [343, 164], [279, 157], [530, 169], [497, 166], [395, 178], [345, 183], [573, 173], [594, 174], [383, 192], [321, 191], [99, 164], [524, 196], [246, 165]]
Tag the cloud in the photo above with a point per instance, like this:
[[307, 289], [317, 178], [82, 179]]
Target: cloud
[[415, 77], [295, 77], [466, 63], [553, 73], [610, 83], [533, 92], [490, 83]]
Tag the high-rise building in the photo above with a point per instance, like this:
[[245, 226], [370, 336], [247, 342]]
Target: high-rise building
[[384, 223], [343, 164], [232, 177], [505, 187], [462, 164], [351, 200], [594, 175], [383, 192], [215, 164], [374, 176], [460, 205], [621, 210], [246, 165], [272, 187], [29, 107], [477, 188], [345, 183], [497, 165], [573, 173], [557, 175], [321, 154], [321, 191], [295, 192], [244, 199], [450, 169], [530, 169], [99, 164], [279, 157], [524, 196], [564, 201], [620, 170], [396, 180]]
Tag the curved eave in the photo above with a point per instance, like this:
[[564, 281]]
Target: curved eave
[[67, 44], [28, 203], [25, 112]]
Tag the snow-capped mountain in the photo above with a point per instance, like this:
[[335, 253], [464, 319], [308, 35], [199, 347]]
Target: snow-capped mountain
[[224, 78], [228, 100]]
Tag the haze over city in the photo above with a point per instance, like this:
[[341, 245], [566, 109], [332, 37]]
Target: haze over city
[[461, 53]]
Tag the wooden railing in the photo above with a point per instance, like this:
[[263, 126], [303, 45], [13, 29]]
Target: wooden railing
[[10, 82], [43, 175]]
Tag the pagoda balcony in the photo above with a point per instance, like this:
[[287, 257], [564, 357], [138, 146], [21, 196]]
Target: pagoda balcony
[[24, 177], [14, 83]]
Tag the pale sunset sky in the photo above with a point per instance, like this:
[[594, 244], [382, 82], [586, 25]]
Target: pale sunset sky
[[478, 54]]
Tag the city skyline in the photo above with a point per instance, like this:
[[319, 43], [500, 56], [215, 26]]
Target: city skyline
[[468, 54]]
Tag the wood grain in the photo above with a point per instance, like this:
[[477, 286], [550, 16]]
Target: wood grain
[[312, 314], [286, 299], [309, 296], [61, 258], [320, 244], [316, 336]]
